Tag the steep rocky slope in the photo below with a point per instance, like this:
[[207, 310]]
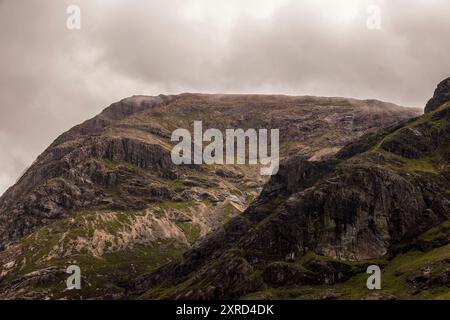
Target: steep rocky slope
[[383, 199], [106, 196], [441, 96]]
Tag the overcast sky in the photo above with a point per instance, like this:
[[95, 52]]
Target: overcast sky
[[52, 78]]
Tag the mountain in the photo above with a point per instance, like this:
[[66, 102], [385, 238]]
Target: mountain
[[384, 199], [106, 196]]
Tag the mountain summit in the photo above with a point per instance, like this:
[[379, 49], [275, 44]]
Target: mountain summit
[[106, 196], [441, 96]]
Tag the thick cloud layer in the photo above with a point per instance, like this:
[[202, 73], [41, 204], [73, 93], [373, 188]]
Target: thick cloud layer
[[52, 78]]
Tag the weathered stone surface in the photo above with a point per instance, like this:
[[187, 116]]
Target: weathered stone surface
[[441, 96]]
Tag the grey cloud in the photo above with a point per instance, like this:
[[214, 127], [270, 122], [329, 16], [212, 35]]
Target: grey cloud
[[52, 78]]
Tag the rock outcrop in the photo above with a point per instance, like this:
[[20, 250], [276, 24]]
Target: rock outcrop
[[441, 96]]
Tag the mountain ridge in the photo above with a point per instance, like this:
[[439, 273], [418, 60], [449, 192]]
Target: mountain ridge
[[106, 193]]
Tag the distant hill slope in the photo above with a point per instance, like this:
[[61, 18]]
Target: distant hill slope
[[383, 199], [106, 196]]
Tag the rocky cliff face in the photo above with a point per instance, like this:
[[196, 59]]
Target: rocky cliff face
[[383, 199], [441, 96], [106, 196]]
